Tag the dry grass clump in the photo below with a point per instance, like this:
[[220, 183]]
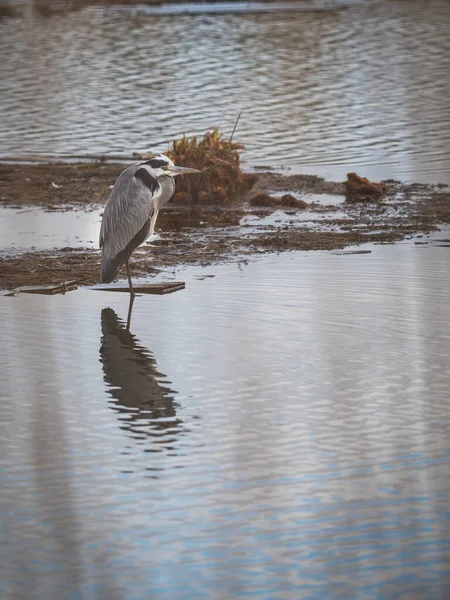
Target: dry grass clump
[[222, 180]]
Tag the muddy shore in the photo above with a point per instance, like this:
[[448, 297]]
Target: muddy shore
[[214, 233]]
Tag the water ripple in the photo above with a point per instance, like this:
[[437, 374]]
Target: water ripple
[[361, 86], [281, 430]]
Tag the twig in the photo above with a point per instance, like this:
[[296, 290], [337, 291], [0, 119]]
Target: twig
[[235, 125], [208, 183]]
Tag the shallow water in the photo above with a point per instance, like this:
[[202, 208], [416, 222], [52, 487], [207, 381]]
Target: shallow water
[[327, 91], [36, 229], [279, 430]]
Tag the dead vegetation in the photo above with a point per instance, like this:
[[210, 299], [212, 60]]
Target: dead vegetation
[[222, 180]]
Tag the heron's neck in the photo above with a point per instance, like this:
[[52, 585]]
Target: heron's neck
[[167, 184]]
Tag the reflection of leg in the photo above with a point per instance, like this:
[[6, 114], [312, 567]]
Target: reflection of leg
[[130, 285], [130, 310]]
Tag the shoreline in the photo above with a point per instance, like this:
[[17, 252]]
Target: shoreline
[[261, 221]]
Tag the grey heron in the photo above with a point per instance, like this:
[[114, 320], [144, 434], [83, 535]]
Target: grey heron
[[131, 210]]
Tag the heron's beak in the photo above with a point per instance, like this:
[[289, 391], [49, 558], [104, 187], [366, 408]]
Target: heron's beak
[[181, 170]]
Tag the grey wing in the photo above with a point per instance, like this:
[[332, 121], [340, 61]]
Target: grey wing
[[129, 207]]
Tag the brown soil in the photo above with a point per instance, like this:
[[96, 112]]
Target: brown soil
[[208, 234], [55, 186]]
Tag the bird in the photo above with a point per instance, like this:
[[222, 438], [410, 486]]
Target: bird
[[131, 210]]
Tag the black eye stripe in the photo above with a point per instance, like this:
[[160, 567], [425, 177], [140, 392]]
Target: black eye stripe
[[147, 179], [156, 163]]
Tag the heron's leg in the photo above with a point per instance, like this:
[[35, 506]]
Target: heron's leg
[[130, 285], [130, 309]]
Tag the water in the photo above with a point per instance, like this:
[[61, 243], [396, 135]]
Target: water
[[362, 88], [34, 229], [280, 430]]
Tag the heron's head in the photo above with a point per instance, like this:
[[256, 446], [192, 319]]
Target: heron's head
[[162, 165]]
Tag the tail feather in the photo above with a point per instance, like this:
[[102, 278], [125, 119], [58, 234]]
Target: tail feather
[[109, 268]]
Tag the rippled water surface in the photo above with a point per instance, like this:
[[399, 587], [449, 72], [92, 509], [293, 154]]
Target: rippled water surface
[[364, 87], [279, 430]]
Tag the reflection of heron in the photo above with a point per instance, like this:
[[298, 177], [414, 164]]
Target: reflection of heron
[[132, 209], [136, 384]]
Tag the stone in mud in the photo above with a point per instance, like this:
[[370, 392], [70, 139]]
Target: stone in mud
[[264, 199], [359, 189], [293, 202]]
